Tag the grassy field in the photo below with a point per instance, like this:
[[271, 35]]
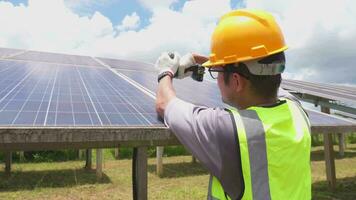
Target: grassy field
[[182, 179]]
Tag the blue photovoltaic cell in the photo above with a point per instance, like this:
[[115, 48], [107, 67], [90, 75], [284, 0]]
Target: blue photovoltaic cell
[[38, 94]]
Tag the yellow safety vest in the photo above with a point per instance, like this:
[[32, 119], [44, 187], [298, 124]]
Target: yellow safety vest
[[274, 145]]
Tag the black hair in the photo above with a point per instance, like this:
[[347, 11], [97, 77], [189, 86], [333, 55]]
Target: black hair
[[265, 86]]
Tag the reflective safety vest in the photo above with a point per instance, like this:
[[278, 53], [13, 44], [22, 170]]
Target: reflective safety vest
[[274, 145]]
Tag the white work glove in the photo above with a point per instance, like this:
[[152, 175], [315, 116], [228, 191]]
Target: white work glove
[[185, 62], [165, 64]]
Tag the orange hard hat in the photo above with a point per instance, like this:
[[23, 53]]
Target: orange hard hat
[[243, 35]]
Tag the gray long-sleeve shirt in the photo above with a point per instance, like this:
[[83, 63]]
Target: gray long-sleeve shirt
[[210, 135]]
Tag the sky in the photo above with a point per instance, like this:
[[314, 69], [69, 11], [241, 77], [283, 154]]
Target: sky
[[321, 34]]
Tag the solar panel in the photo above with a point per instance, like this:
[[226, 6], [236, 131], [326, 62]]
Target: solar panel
[[56, 58], [340, 93], [42, 94], [322, 119], [82, 92], [207, 93], [128, 64], [201, 93], [5, 52]]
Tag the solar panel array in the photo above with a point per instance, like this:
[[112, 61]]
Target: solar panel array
[[345, 94], [207, 93], [47, 89], [44, 94]]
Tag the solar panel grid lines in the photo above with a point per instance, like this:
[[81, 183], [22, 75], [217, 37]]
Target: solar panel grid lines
[[131, 81], [322, 90], [21, 80], [136, 107], [129, 93], [129, 103], [323, 119], [12, 98], [316, 92], [69, 101], [101, 108], [83, 95], [323, 87], [50, 97], [87, 93], [327, 86], [79, 96], [34, 85]]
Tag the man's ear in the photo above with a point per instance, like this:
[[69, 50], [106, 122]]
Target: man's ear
[[239, 82]]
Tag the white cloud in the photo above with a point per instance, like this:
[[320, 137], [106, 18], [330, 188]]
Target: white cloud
[[129, 22], [52, 26], [321, 36], [169, 30], [320, 33], [49, 26]]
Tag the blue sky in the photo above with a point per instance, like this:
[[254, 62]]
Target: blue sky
[[116, 10], [321, 36]]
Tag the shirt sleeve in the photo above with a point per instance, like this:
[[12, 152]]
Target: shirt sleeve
[[210, 135]]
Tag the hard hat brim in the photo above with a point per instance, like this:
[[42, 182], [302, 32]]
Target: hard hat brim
[[209, 64]]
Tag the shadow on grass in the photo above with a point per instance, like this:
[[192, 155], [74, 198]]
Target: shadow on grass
[[29, 180], [174, 170], [352, 148], [318, 155], [345, 190]]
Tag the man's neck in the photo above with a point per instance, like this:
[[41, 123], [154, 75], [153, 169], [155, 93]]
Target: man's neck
[[257, 102]]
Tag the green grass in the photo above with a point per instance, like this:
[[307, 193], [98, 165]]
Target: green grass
[[181, 179]]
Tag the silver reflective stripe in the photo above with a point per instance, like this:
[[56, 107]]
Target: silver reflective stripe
[[210, 197], [256, 140]]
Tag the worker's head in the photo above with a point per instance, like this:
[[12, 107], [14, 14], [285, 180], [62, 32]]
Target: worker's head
[[247, 54]]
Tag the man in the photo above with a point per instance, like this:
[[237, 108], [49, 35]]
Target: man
[[259, 148]]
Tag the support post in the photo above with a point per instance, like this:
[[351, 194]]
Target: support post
[[8, 162], [81, 153], [341, 137], [329, 156], [88, 162], [159, 161], [194, 160], [22, 156], [117, 153], [139, 173], [99, 163]]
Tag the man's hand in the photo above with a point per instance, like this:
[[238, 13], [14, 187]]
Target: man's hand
[[185, 62], [167, 64], [200, 59]]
